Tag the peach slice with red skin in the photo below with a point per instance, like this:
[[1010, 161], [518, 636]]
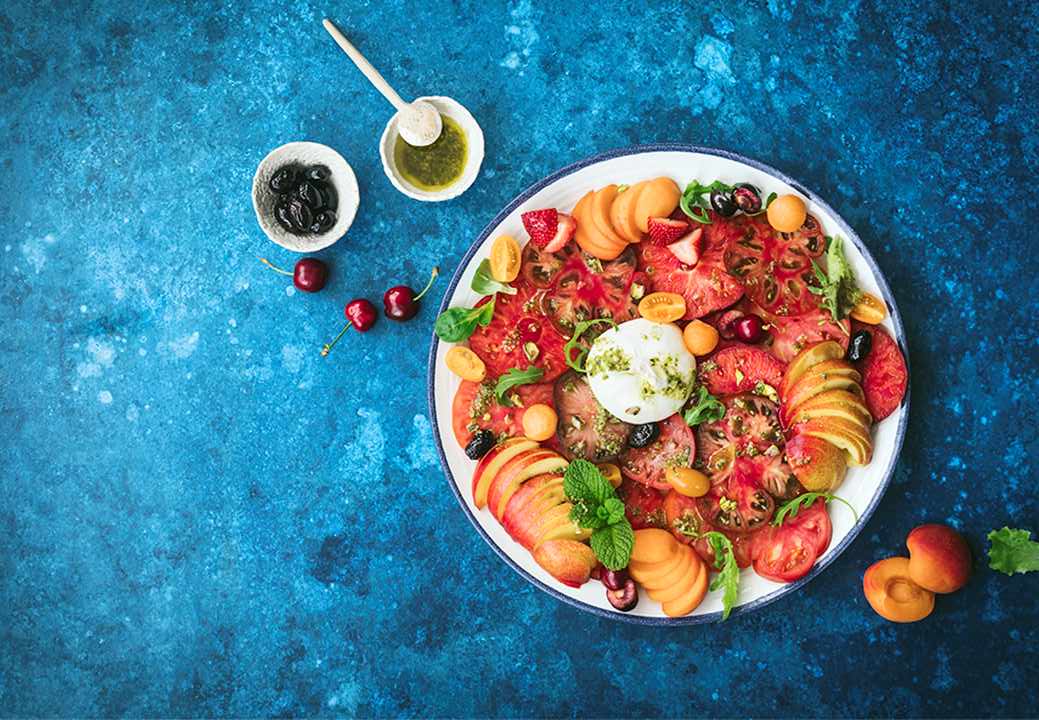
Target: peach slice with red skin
[[517, 471], [848, 436], [811, 385], [536, 497], [492, 462], [832, 403], [939, 559], [559, 526], [892, 593], [818, 353], [568, 561], [817, 464]]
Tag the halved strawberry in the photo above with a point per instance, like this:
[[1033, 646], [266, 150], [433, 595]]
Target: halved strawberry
[[688, 248], [564, 231], [664, 231], [541, 225]]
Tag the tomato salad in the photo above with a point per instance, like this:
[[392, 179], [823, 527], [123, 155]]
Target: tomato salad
[[712, 444]]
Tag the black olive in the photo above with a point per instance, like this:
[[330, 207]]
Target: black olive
[[317, 172], [300, 214], [281, 213], [329, 192], [324, 221], [747, 198], [309, 193], [284, 180], [723, 203], [643, 435], [860, 345], [482, 442]]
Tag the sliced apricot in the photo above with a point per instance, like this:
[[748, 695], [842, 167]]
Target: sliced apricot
[[653, 545], [658, 198], [622, 213], [588, 237], [665, 574], [685, 604], [600, 211], [685, 584], [893, 595]]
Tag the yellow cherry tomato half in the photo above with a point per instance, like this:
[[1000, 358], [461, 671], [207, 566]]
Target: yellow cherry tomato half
[[611, 472], [539, 422], [505, 258], [688, 482], [787, 213], [700, 338], [662, 307], [869, 309], [466, 364]]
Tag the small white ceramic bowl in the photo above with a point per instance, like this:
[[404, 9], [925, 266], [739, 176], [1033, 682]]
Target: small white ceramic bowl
[[474, 139], [341, 176]]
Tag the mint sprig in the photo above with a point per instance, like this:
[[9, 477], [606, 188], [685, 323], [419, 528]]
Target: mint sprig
[[597, 508]]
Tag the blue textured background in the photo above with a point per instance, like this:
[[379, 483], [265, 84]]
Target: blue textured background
[[202, 516]]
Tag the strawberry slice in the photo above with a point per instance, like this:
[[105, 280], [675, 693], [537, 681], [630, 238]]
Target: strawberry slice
[[564, 231], [541, 225], [688, 248], [664, 231]]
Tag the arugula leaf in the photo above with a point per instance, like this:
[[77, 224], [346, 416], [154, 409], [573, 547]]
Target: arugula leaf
[[789, 510], [837, 286], [703, 407], [583, 481], [1012, 551], [694, 203], [515, 377], [485, 284], [612, 544], [728, 576], [572, 344], [457, 324]]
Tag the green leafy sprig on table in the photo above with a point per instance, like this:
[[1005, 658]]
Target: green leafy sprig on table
[[597, 508], [457, 324], [1013, 551], [515, 377], [485, 284], [728, 577], [702, 407], [838, 290], [577, 363], [790, 509]]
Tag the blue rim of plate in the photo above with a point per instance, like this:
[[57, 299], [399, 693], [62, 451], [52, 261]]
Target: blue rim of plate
[[885, 290]]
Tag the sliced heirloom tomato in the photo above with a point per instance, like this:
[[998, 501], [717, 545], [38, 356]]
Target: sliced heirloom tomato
[[740, 505], [518, 336], [774, 267], [750, 428], [583, 288], [884, 372], [687, 524], [706, 286], [674, 447], [793, 333], [738, 369], [585, 428], [643, 505], [476, 408], [788, 552]]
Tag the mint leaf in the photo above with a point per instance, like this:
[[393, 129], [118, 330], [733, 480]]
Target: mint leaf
[[702, 407], [515, 377], [612, 544], [457, 324], [586, 514], [583, 481], [614, 510], [728, 577], [1013, 551], [485, 284]]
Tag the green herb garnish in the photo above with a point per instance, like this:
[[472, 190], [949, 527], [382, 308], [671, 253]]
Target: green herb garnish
[[789, 510], [457, 324], [702, 407], [577, 363], [597, 508], [837, 286], [766, 391], [485, 284], [515, 377], [696, 201], [1012, 551], [728, 576]]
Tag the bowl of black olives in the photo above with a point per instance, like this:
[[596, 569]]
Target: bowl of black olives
[[305, 196]]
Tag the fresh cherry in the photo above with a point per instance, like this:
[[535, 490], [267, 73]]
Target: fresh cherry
[[401, 303], [309, 275], [361, 314], [749, 329]]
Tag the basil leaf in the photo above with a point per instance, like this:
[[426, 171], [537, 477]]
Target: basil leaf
[[612, 544], [514, 378], [572, 344], [485, 284], [457, 324]]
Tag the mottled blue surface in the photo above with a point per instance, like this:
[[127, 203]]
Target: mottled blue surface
[[202, 516]]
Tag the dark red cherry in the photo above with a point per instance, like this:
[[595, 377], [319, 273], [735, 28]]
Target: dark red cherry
[[310, 275], [750, 329], [401, 303], [361, 314]]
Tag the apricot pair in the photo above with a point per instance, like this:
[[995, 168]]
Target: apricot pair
[[902, 589]]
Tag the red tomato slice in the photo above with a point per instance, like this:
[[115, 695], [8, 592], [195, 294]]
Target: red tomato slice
[[884, 373], [749, 429], [814, 523], [706, 286], [686, 523], [676, 446], [793, 333], [774, 267], [519, 327], [784, 555], [739, 368], [643, 505], [475, 408], [740, 505]]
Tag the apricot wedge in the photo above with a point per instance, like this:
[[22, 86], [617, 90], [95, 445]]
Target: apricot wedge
[[600, 211], [893, 595], [665, 574], [622, 213], [658, 198], [845, 435], [485, 474], [814, 384], [684, 585], [685, 604], [653, 545], [818, 353]]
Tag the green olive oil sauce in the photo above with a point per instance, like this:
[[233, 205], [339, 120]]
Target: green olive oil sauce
[[435, 166]]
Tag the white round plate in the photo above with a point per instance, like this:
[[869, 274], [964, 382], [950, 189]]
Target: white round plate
[[863, 487]]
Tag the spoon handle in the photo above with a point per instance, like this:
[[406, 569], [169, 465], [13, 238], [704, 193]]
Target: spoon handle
[[364, 66]]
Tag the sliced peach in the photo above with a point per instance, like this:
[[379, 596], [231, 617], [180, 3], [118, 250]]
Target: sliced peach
[[685, 604], [518, 471], [817, 464], [485, 473], [664, 574], [563, 528], [529, 504], [658, 198], [849, 437], [820, 352], [893, 594], [622, 213], [600, 212], [939, 559], [812, 384], [653, 545], [833, 403], [568, 561], [684, 585]]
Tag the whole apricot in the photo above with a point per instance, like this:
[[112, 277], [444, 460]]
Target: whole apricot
[[893, 594], [939, 559]]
